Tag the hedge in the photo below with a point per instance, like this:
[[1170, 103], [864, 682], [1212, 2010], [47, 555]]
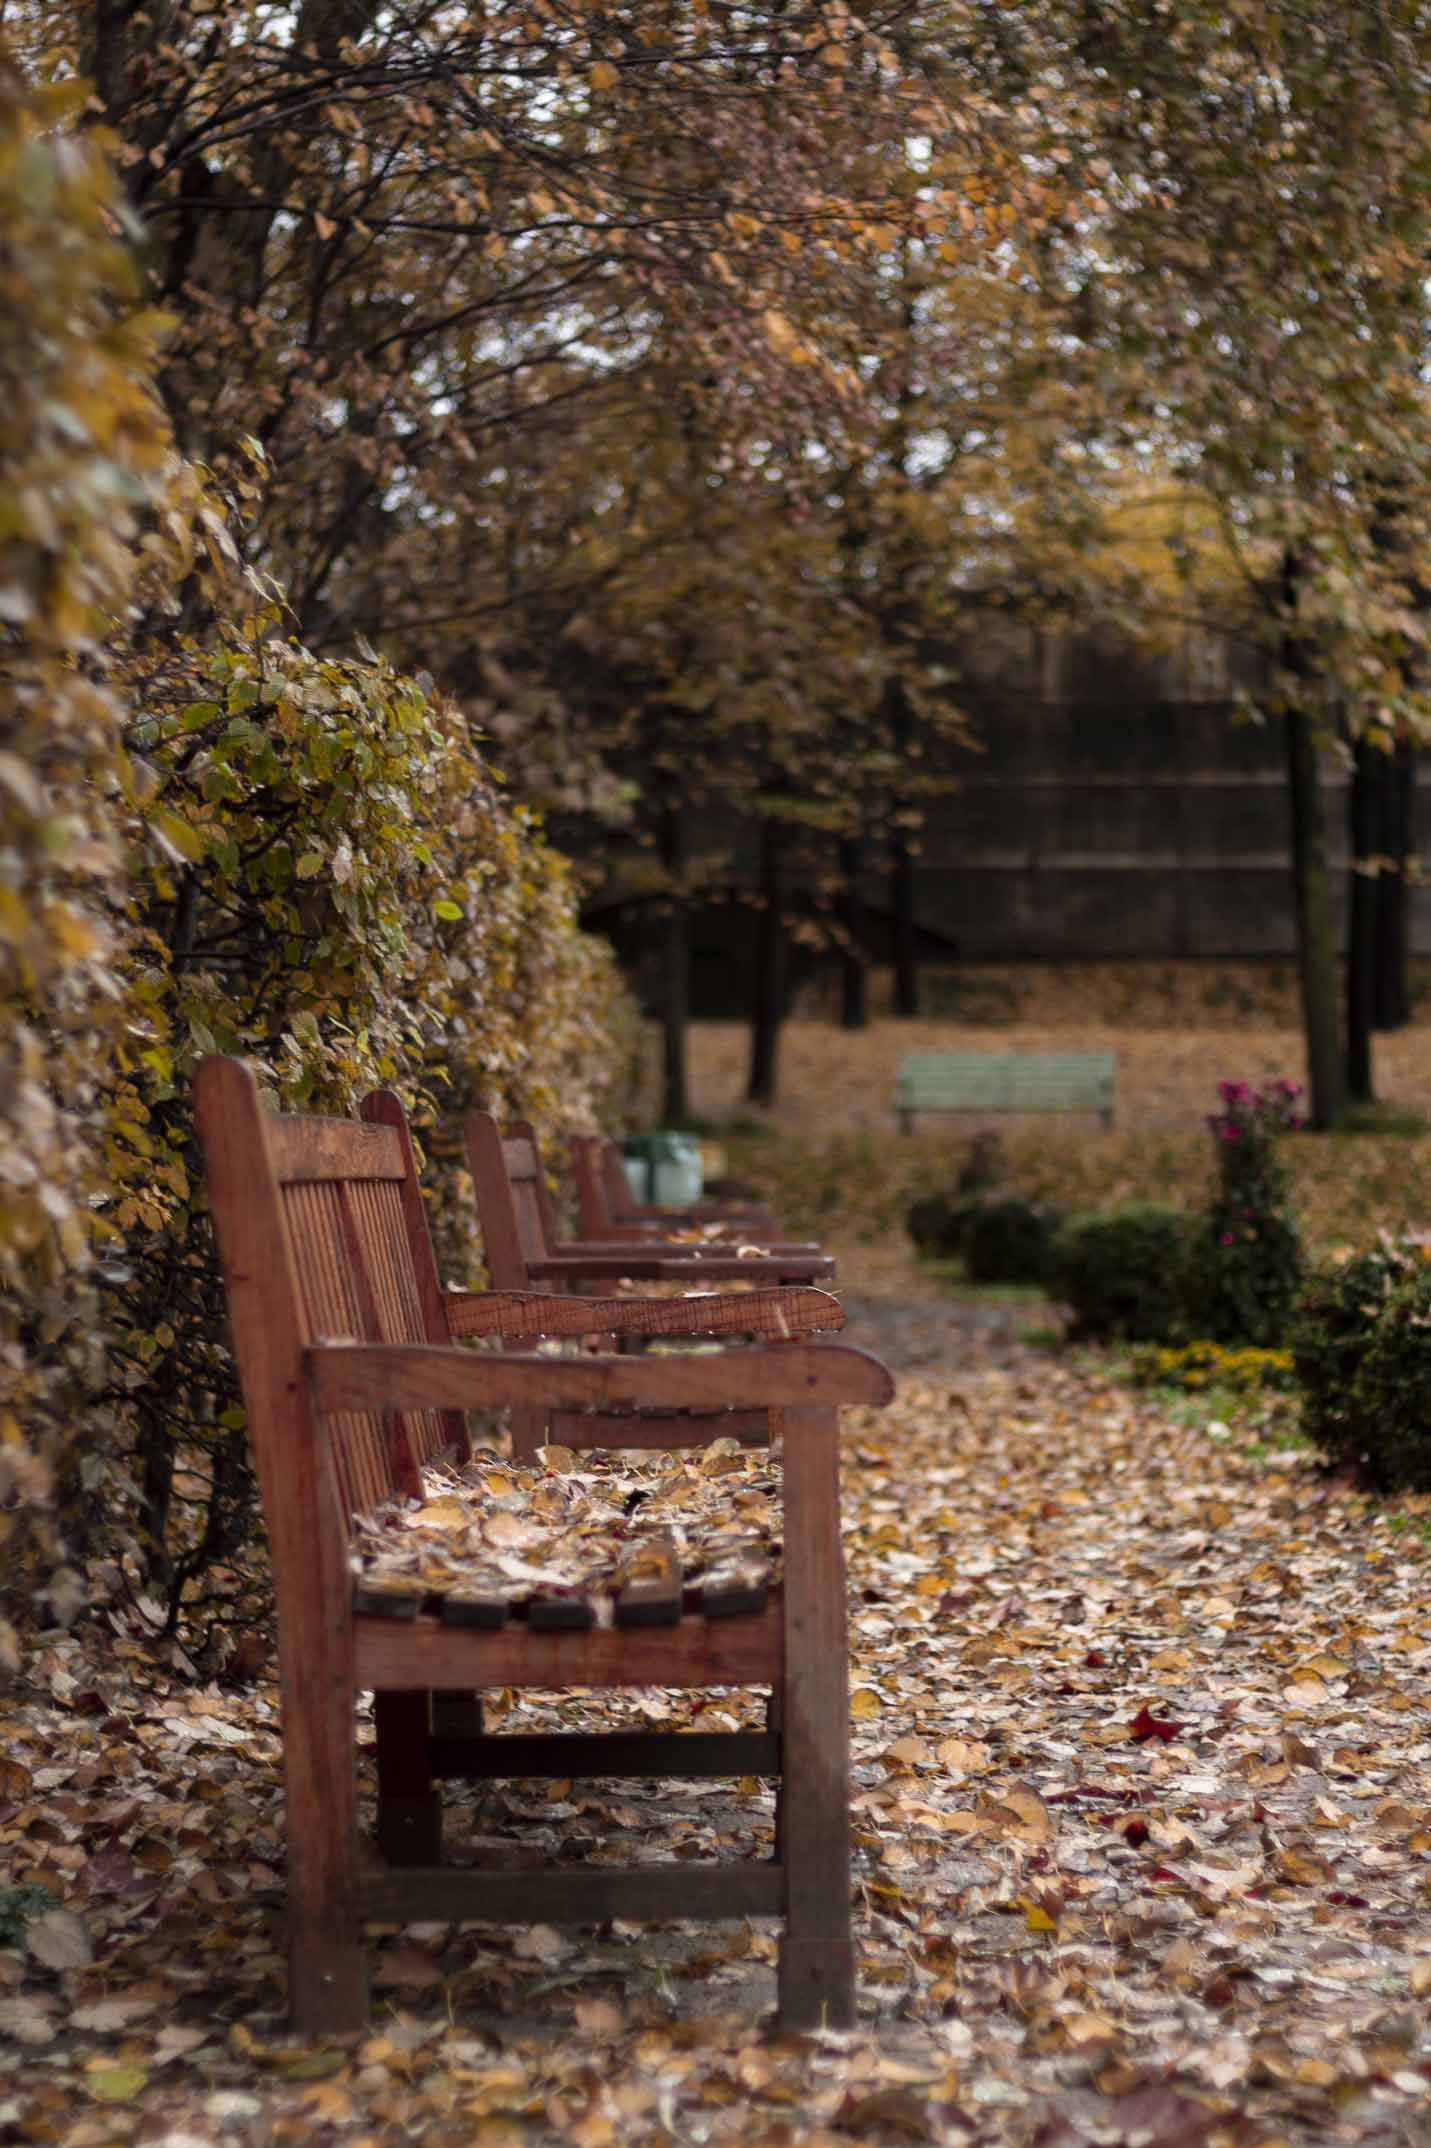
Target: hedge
[[82, 453], [216, 839]]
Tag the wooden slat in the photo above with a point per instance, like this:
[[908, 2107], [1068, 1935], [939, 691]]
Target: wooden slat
[[485, 1612], [334, 1303], [771, 1315], [698, 1652], [396, 1604], [688, 1265], [376, 1376], [683, 1755], [520, 1154], [584, 1429], [503, 1228], [303, 1149], [652, 1242], [737, 1585], [521, 1130], [560, 1611], [1006, 1081], [583, 1894], [649, 1593]]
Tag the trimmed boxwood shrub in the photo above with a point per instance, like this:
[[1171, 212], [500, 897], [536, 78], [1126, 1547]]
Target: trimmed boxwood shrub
[[1391, 1400], [1008, 1238], [936, 1225], [1000, 1237], [1123, 1271], [1361, 1350]]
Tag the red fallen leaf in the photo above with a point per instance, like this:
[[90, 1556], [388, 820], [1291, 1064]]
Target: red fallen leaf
[[1095, 1660], [1135, 1832], [1147, 1725]]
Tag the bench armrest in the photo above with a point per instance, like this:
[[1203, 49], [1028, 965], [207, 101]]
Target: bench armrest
[[656, 1245], [611, 1264], [771, 1314], [422, 1376], [649, 1218]]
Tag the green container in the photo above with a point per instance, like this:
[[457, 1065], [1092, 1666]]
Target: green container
[[664, 1167]]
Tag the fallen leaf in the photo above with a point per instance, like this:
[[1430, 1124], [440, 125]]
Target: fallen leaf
[[59, 1940]]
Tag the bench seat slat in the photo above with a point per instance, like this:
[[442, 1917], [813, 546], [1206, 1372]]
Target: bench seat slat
[[650, 1593], [428, 1654]]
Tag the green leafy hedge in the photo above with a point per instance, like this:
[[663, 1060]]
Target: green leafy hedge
[[82, 454], [326, 879], [212, 839]]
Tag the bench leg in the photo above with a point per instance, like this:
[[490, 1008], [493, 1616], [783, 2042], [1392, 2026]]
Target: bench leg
[[817, 1981], [409, 1808], [457, 1714], [774, 1721], [528, 1429], [327, 1967]]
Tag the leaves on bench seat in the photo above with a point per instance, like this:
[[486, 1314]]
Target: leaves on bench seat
[[583, 1540]]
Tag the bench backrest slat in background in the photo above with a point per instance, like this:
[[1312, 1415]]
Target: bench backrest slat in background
[[1007, 1081], [507, 1174]]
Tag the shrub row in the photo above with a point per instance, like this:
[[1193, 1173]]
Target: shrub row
[[1361, 1348], [213, 839]]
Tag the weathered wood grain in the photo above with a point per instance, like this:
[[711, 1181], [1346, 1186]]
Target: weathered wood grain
[[698, 1652], [766, 1315], [415, 1376]]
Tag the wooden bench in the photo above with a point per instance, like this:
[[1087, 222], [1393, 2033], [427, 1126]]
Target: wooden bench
[[607, 1209], [518, 1227], [522, 1253], [1005, 1082], [353, 1383]]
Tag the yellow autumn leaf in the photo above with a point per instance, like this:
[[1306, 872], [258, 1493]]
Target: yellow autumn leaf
[[602, 75]]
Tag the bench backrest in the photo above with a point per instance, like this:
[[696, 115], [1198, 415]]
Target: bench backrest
[[512, 1204], [1006, 1081], [322, 1235], [593, 1159]]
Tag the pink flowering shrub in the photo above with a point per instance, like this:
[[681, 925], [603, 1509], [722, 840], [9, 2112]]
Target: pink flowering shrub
[[1247, 1264]]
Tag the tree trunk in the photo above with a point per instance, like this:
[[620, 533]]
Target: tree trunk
[[854, 992], [906, 957], [1365, 800], [1316, 937], [1392, 984], [766, 1006], [675, 971]]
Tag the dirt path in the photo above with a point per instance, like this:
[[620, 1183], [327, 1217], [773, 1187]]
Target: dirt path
[[1143, 1837]]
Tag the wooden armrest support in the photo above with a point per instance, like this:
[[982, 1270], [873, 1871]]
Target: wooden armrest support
[[754, 1220], [611, 1264], [421, 1376], [774, 1315], [653, 1243]]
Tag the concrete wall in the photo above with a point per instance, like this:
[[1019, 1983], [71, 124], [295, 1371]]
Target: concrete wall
[[1117, 806]]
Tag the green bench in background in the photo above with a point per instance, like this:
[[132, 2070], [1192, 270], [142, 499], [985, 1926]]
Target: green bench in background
[[1005, 1081]]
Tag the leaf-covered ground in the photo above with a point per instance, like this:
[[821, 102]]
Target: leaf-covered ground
[[1142, 1810]]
